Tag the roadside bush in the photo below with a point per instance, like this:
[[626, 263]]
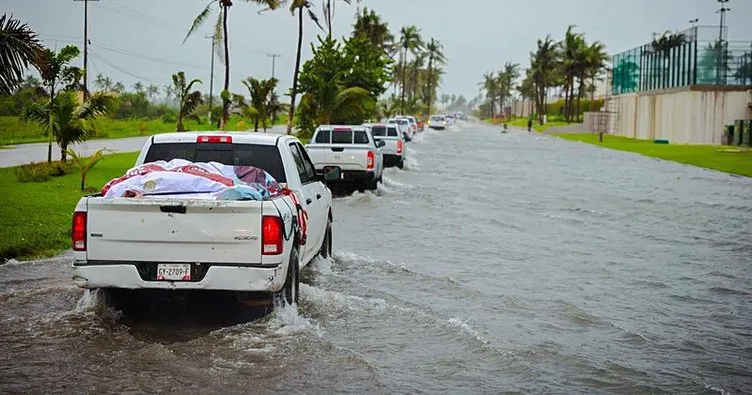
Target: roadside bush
[[42, 171]]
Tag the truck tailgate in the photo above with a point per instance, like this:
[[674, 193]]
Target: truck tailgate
[[157, 230], [346, 156]]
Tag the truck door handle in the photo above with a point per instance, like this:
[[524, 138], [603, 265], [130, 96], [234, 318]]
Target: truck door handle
[[318, 196], [308, 201]]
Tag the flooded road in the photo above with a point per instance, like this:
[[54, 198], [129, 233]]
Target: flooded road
[[492, 263]]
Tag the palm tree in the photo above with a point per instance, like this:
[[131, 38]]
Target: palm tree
[[491, 85], [260, 92], [222, 43], [187, 100], [435, 52], [67, 117], [19, 48], [298, 5], [572, 48], [507, 78], [410, 40], [55, 71], [544, 63], [328, 9], [368, 24], [152, 91], [337, 105], [138, 87], [595, 58]]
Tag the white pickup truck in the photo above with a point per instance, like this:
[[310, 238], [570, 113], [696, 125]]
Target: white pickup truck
[[351, 148], [394, 151], [253, 247]]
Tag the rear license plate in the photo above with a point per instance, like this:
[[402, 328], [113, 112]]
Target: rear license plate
[[174, 271]]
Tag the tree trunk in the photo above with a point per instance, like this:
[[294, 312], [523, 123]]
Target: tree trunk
[[225, 99], [295, 73], [52, 118], [63, 152], [402, 96], [430, 80]]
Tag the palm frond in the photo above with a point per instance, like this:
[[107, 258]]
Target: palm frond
[[19, 48], [199, 20]]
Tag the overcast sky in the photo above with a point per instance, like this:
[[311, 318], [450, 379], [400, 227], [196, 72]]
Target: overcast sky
[[142, 39]]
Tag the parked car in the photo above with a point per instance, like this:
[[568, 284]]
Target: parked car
[[352, 149], [187, 242], [437, 122], [394, 151], [404, 126]]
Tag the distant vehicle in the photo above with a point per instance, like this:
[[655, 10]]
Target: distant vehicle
[[404, 125], [394, 149], [450, 119], [437, 122], [414, 123], [187, 242], [353, 149]]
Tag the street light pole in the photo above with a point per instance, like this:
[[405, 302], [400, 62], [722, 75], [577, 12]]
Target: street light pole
[[721, 67], [274, 58], [86, 47]]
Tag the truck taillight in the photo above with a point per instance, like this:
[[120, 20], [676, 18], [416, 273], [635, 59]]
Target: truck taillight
[[271, 235], [78, 233], [399, 146], [369, 163]]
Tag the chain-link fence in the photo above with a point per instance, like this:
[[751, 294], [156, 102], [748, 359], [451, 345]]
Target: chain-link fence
[[691, 57]]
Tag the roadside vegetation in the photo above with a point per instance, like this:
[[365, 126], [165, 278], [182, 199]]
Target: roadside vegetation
[[568, 69], [732, 160]]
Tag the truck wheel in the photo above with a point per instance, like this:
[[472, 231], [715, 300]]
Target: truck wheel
[[326, 246], [288, 295], [401, 164], [372, 185]]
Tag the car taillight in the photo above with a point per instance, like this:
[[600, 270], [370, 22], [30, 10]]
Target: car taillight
[[399, 146], [214, 139], [369, 163], [78, 233], [271, 235]]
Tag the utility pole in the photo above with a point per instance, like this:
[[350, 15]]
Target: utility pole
[[721, 68], [86, 47], [693, 22], [211, 79], [274, 58]]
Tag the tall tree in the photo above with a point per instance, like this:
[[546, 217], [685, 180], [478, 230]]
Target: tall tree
[[543, 64], [435, 52], [261, 95], [19, 48], [56, 73], [298, 5], [187, 101], [410, 41], [222, 43], [368, 24]]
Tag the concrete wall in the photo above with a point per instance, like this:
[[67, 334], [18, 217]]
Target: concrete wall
[[695, 115]]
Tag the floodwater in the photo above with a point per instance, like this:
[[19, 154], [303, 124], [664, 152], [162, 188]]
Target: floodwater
[[492, 263]]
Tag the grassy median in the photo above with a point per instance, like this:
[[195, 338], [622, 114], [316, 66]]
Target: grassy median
[[13, 131], [36, 216], [735, 160]]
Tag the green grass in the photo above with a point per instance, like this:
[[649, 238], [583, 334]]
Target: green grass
[[14, 131], [707, 156], [36, 217], [522, 123]]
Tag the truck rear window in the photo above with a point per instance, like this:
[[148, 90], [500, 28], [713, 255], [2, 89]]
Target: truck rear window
[[392, 131], [262, 156], [348, 137], [378, 131]]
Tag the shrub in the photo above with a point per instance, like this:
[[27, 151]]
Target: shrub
[[42, 171]]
